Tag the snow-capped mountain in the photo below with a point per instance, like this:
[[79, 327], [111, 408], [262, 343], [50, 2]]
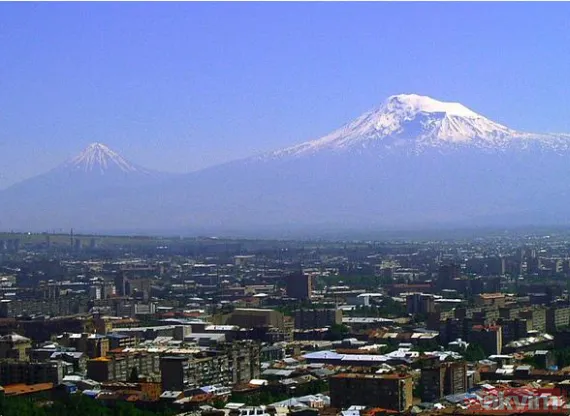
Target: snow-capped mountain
[[412, 162], [414, 124], [94, 186], [99, 164], [99, 158]]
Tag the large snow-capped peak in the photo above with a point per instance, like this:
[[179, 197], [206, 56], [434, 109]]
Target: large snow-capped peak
[[415, 123], [413, 104], [99, 158]]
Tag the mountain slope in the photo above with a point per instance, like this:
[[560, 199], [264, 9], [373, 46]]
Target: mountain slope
[[410, 123], [414, 161], [99, 158], [411, 162], [91, 187]]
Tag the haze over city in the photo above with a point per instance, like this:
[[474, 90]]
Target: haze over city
[[284, 209]]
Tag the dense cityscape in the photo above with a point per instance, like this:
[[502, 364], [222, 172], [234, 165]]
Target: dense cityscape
[[210, 326], [273, 208]]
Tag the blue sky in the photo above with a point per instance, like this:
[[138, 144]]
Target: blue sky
[[180, 86]]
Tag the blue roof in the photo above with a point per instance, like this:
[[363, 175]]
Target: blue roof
[[460, 397], [322, 355], [74, 354]]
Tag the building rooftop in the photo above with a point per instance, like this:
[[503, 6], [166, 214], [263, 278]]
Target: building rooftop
[[169, 394], [221, 328], [396, 376], [491, 295], [20, 389], [362, 320], [14, 338]]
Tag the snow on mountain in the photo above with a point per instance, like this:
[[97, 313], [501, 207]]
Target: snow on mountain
[[414, 161], [93, 187], [98, 157], [413, 124]]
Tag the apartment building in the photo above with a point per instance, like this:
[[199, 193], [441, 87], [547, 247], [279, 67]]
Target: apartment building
[[557, 317], [388, 391], [317, 318], [229, 364], [92, 345], [14, 372], [119, 366], [15, 346], [441, 379], [490, 338]]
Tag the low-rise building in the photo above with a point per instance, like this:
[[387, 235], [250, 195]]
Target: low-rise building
[[15, 346], [491, 299], [14, 372], [92, 345]]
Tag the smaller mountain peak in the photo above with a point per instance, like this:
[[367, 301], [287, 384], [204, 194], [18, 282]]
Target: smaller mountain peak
[[99, 157], [423, 104], [97, 146]]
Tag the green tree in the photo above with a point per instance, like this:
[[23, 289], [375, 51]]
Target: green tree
[[474, 352], [77, 404], [531, 360], [337, 332], [219, 404], [563, 357]]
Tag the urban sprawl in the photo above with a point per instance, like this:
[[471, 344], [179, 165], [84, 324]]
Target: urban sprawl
[[208, 326]]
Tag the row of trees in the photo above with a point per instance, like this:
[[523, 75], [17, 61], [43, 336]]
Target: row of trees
[[77, 404], [263, 397]]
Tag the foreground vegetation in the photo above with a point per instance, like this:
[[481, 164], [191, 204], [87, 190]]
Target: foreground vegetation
[[76, 404]]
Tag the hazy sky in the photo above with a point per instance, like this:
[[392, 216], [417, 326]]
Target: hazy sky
[[181, 86]]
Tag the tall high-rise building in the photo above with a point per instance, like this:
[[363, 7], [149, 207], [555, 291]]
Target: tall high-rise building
[[299, 286], [317, 318], [432, 381], [122, 285], [447, 273], [455, 377], [389, 391], [490, 338], [443, 379], [174, 372], [557, 316], [422, 303]]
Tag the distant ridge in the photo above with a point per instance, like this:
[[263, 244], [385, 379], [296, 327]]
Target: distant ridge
[[413, 162]]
